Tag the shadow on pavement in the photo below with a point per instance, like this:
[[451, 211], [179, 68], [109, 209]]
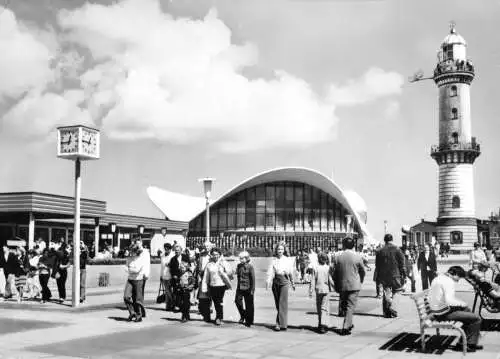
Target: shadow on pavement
[[119, 319], [410, 343]]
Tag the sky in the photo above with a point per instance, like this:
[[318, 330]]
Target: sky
[[184, 89]]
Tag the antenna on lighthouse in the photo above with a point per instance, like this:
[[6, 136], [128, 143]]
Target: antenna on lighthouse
[[419, 76]]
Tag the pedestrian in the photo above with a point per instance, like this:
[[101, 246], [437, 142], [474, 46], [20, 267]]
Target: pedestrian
[[204, 302], [185, 287], [84, 255], [60, 272], [301, 265], [3, 273], [446, 307], [146, 270], [390, 265], [245, 289], [378, 285], [46, 264], [348, 275], [280, 278], [216, 280], [477, 257], [174, 265], [10, 269], [20, 271], [427, 266], [322, 283], [410, 275], [32, 282], [133, 294], [165, 276]]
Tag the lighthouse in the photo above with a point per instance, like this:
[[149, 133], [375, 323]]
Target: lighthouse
[[457, 150]]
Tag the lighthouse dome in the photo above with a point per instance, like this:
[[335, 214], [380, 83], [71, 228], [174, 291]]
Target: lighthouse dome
[[453, 38]]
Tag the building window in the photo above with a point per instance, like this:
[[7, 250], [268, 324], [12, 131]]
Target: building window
[[456, 237], [453, 91], [455, 202], [454, 114], [454, 138]]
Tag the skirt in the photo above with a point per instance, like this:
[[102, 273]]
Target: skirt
[[20, 281]]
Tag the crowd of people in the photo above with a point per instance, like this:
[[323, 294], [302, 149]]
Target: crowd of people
[[27, 273]]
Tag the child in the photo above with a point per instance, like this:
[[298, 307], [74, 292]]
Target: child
[[185, 287], [322, 282], [245, 289]]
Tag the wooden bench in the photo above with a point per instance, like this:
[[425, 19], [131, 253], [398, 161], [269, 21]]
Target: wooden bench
[[427, 320]]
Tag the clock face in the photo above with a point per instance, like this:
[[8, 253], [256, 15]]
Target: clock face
[[89, 142], [69, 141]]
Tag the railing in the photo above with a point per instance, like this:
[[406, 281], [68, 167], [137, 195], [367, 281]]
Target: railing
[[472, 146], [457, 66], [293, 242]]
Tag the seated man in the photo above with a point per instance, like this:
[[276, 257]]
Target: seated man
[[491, 289], [446, 307]]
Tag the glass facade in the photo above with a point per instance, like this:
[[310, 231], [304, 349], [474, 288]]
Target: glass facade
[[275, 207]]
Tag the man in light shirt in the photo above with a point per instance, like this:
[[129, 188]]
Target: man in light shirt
[[146, 260], [446, 307], [133, 294], [166, 277], [477, 257]]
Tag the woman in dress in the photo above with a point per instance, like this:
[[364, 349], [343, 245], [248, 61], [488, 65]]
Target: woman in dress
[[279, 278], [21, 270]]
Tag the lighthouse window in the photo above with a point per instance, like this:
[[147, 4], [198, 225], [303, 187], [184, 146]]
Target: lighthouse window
[[454, 114], [454, 137], [453, 91], [456, 237], [455, 202]]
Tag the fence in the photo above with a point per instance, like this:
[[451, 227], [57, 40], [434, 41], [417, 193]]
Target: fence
[[293, 242]]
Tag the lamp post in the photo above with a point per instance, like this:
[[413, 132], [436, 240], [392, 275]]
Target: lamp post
[[77, 143], [112, 228], [385, 227], [207, 189], [140, 229]]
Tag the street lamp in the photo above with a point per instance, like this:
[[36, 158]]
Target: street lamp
[[385, 227], [77, 143], [207, 189], [140, 229], [348, 218], [112, 228]]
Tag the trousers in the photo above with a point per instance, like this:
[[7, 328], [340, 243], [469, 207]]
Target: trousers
[[133, 297], [83, 281], [280, 293], [471, 323], [169, 300], [44, 283], [323, 308], [388, 299], [247, 312], [427, 278], [348, 301], [61, 283], [217, 296]]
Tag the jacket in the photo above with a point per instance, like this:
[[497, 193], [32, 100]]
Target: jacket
[[246, 277], [390, 265], [348, 271], [422, 263]]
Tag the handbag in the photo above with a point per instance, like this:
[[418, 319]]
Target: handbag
[[160, 298]]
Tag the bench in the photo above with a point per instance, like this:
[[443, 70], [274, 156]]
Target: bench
[[485, 301], [427, 320]]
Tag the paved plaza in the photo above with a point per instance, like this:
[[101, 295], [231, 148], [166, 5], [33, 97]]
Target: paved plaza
[[99, 330]]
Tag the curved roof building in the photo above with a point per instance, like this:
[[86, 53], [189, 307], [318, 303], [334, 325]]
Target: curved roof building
[[289, 202]]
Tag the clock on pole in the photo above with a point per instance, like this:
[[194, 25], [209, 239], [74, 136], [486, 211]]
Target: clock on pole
[[77, 143]]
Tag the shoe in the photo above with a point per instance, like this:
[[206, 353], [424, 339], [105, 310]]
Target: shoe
[[218, 322], [322, 329], [277, 328], [183, 320], [248, 325], [475, 346], [131, 318], [241, 321], [138, 319]]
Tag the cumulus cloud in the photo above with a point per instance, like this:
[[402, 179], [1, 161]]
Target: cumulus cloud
[[148, 75], [374, 84], [26, 56]]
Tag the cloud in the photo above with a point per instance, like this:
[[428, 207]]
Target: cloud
[[374, 84], [147, 75], [26, 56]]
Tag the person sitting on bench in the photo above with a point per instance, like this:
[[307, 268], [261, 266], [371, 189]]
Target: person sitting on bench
[[491, 289]]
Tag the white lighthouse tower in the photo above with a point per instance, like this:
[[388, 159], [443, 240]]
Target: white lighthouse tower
[[457, 149]]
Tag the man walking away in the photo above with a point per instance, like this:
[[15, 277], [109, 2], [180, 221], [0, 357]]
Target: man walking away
[[390, 265], [348, 274], [446, 307]]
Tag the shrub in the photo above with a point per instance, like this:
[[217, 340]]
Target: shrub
[[117, 261], [253, 251]]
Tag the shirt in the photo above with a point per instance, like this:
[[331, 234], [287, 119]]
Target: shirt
[[213, 275], [136, 267], [321, 279], [442, 295], [477, 256], [146, 260], [279, 266], [164, 266], [246, 277]]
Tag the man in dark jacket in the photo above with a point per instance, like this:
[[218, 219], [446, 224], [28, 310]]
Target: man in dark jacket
[[390, 265], [427, 266]]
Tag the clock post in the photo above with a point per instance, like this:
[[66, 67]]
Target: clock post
[[77, 143]]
